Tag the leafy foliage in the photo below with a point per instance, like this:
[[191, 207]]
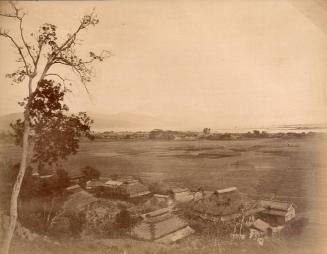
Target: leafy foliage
[[56, 135], [8, 174], [90, 173], [124, 220]]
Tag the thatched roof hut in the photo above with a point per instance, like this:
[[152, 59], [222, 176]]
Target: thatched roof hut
[[221, 204], [161, 226]]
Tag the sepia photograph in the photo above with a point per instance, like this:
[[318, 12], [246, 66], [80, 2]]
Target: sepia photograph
[[163, 127]]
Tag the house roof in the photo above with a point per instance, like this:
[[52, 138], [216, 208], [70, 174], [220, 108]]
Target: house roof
[[46, 176], [276, 205], [226, 190], [73, 187], [94, 183], [178, 190], [167, 226], [254, 211], [113, 183], [207, 207], [274, 212], [261, 225], [135, 189], [128, 180], [157, 212], [215, 205], [161, 196], [158, 218], [175, 236], [184, 197], [161, 224], [125, 179], [79, 200]]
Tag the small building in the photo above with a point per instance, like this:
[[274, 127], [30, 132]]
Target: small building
[[166, 200], [161, 226], [94, 184], [227, 194], [128, 189], [73, 189], [277, 212], [135, 190], [220, 205], [259, 228], [113, 188], [181, 195], [251, 215], [113, 183]]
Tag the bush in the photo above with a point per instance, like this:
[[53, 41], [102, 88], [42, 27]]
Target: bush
[[77, 222], [63, 180], [159, 188], [8, 174], [90, 173], [124, 219]]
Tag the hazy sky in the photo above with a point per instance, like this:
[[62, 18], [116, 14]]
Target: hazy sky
[[213, 63]]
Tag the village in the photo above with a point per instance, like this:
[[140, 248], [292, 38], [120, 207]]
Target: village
[[166, 216], [163, 127], [205, 134]]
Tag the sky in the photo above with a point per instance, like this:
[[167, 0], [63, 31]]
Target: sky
[[219, 64]]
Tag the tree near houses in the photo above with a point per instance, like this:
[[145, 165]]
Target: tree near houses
[[55, 133], [35, 60]]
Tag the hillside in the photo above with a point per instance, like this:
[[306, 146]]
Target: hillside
[[117, 122], [5, 120]]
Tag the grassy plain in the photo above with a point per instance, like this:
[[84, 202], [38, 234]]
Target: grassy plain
[[292, 169], [289, 168]]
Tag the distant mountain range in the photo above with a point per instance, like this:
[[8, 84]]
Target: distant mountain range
[[116, 122], [129, 121], [5, 120], [126, 121]]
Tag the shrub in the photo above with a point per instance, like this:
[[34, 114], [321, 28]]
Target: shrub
[[124, 219], [90, 173]]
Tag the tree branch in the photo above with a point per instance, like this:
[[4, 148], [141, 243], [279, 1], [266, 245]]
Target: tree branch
[[23, 39], [57, 75], [6, 35], [15, 15], [85, 22]]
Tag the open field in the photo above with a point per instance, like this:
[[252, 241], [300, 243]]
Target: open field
[[288, 168]]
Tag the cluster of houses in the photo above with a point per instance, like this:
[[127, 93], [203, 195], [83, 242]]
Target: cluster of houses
[[158, 134], [256, 221]]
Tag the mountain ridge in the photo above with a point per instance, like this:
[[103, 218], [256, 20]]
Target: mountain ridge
[[102, 122]]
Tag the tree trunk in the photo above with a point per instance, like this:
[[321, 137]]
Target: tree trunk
[[19, 180], [16, 190]]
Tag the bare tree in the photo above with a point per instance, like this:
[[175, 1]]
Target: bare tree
[[35, 60]]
